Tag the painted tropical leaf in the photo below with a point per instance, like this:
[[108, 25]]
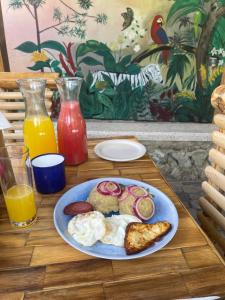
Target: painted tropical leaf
[[54, 45], [90, 61], [39, 65], [105, 100], [126, 59], [218, 37], [90, 46], [109, 62], [133, 69], [108, 80], [183, 8], [27, 47], [177, 66]]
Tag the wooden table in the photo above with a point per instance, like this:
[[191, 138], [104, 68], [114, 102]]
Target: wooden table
[[36, 263]]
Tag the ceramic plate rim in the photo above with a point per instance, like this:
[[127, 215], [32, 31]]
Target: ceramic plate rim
[[130, 142], [148, 251]]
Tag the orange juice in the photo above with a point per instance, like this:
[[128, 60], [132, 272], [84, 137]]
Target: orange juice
[[39, 135], [20, 204]]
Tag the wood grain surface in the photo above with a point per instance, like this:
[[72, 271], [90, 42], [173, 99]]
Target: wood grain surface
[[35, 263]]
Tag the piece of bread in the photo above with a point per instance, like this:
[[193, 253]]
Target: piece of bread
[[140, 236]]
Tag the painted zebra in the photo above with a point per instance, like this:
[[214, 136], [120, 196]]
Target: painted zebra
[[150, 72]]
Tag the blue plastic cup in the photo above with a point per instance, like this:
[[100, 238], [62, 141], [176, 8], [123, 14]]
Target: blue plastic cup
[[49, 173]]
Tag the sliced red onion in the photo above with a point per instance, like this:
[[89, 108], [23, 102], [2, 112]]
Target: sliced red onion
[[109, 188], [123, 195], [133, 191], [101, 188], [137, 212]]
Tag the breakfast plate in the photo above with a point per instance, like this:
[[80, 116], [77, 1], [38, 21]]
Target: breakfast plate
[[164, 211], [120, 150]]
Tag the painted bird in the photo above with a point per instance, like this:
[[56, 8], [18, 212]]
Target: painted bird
[[159, 36]]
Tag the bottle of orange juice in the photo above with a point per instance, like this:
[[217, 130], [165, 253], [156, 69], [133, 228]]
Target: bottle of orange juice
[[38, 130]]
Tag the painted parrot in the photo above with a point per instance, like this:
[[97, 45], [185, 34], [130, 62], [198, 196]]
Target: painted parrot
[[159, 36]]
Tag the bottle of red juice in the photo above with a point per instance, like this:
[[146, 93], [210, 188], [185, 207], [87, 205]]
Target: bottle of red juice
[[71, 127]]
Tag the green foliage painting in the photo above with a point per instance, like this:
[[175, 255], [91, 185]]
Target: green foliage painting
[[169, 77]]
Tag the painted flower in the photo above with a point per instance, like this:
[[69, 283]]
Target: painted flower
[[214, 51], [220, 51], [113, 46], [39, 56], [137, 48], [221, 62]]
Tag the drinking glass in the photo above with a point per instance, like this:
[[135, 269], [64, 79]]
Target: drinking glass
[[17, 185]]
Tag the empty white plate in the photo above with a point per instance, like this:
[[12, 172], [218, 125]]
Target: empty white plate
[[120, 150]]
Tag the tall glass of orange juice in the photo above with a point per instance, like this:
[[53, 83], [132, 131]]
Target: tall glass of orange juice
[[39, 135], [17, 185]]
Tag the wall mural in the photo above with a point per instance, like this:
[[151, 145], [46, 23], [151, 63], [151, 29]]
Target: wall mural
[[161, 66]]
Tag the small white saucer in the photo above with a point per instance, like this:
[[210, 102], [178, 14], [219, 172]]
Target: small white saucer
[[120, 150]]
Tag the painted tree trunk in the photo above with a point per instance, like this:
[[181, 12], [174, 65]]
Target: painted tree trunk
[[37, 29]]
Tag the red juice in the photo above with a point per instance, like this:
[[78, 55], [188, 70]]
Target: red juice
[[72, 137]]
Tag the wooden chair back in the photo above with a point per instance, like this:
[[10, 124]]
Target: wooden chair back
[[212, 218], [12, 104]]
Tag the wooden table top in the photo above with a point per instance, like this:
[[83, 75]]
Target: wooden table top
[[36, 263]]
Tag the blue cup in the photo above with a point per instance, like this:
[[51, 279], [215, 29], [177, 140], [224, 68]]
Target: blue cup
[[49, 173]]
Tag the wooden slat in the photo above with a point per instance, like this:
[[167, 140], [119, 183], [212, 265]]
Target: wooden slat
[[18, 105], [219, 139], [15, 257], [185, 240], [93, 292], [165, 261], [17, 125], [12, 296], [196, 257], [215, 177], [18, 95], [214, 194], [212, 212], [62, 275], [219, 120], [44, 238], [8, 79], [14, 116], [149, 287], [217, 157], [13, 239], [13, 136], [56, 254], [211, 231], [206, 281], [22, 279]]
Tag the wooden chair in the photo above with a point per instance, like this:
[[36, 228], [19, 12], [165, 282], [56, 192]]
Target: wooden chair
[[212, 218], [12, 103]]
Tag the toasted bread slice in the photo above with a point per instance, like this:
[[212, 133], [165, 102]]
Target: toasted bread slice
[[140, 236]]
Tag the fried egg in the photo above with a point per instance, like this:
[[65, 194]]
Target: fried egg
[[87, 228], [115, 229]]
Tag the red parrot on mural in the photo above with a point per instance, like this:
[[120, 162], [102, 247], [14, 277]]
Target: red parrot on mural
[[159, 36]]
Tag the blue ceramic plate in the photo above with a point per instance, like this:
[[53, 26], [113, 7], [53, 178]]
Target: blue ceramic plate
[[164, 211]]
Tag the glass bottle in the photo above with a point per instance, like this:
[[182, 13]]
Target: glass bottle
[[38, 129], [71, 127]]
